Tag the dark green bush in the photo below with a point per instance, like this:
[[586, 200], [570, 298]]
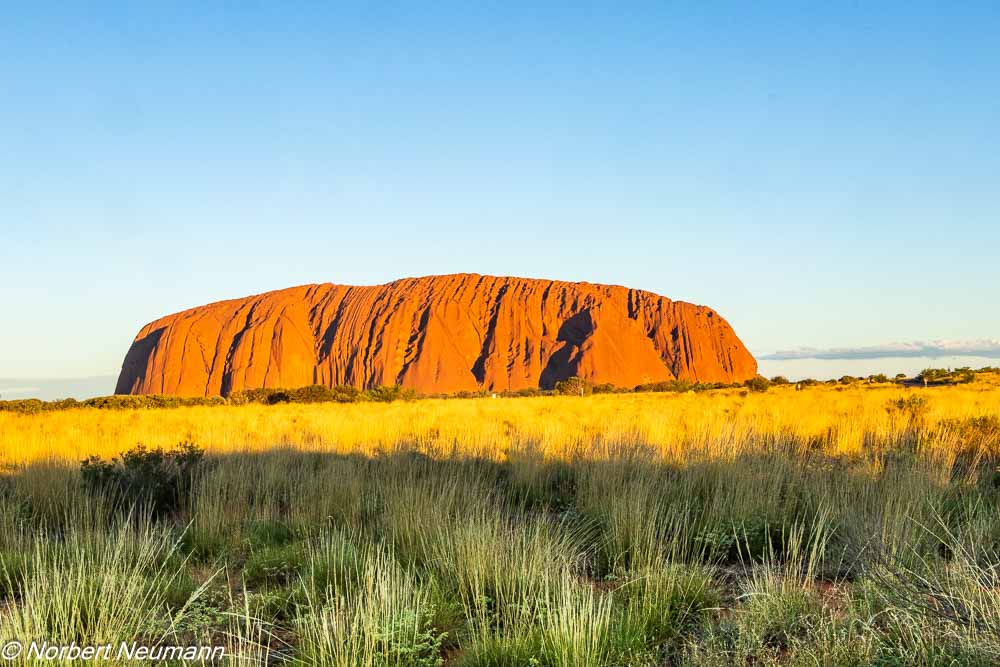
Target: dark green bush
[[115, 402], [751, 538], [203, 546], [465, 393], [320, 394], [759, 384], [274, 564], [964, 376], [679, 386], [34, 405], [929, 375], [310, 394], [279, 396], [244, 396], [523, 393], [156, 480], [574, 386], [389, 393], [270, 534], [682, 386], [25, 406], [129, 402]]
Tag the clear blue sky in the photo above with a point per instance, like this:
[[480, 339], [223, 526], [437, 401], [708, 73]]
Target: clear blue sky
[[824, 174]]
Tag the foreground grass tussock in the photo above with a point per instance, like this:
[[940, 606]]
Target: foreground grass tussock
[[859, 526]]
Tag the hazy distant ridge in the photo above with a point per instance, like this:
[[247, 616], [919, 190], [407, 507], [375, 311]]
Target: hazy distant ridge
[[53, 388]]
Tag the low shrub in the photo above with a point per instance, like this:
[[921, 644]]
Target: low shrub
[[465, 393], [389, 393], [310, 394], [115, 402], [964, 376], [913, 407], [933, 374], [574, 386], [270, 534], [751, 539], [523, 393], [128, 402], [678, 386], [156, 480], [274, 564], [203, 546]]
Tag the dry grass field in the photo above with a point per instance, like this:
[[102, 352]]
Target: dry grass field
[[721, 423], [836, 525]]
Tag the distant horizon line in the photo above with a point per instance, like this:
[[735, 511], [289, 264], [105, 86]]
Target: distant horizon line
[[987, 348]]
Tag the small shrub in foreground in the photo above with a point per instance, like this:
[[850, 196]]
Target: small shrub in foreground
[[153, 479]]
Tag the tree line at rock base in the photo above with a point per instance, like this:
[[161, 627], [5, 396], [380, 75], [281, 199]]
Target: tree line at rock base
[[573, 386]]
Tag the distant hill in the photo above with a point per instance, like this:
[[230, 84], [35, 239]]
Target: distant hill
[[54, 388], [438, 334]]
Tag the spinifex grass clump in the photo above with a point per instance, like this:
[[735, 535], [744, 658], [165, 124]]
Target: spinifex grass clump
[[380, 616], [95, 588]]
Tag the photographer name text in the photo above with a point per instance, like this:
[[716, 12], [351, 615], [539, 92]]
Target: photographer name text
[[45, 651]]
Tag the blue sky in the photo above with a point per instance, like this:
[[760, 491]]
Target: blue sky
[[824, 174]]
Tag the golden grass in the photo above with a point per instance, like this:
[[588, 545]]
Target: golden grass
[[804, 527], [719, 423]]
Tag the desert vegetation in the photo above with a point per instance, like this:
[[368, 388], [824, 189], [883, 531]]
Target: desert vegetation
[[829, 524]]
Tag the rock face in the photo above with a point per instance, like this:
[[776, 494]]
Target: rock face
[[438, 334]]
